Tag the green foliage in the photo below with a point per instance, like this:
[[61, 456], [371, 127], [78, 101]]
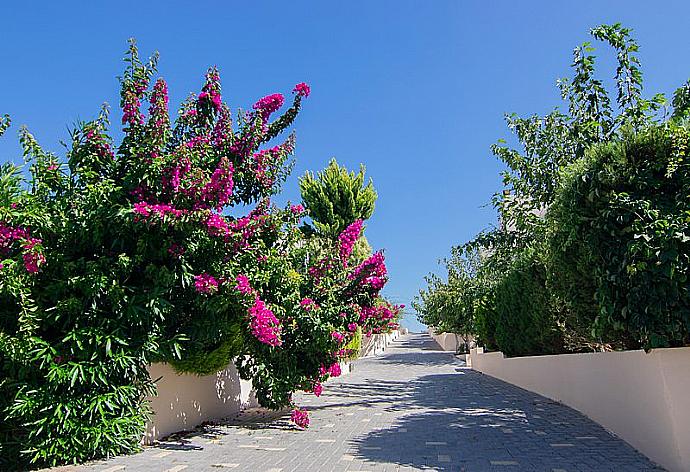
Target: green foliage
[[681, 101], [5, 123], [590, 253], [523, 317], [200, 359], [354, 346], [620, 243], [335, 198], [361, 250], [449, 305]]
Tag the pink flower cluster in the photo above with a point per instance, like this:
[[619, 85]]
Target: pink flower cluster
[[211, 90], [218, 191], [205, 283], [347, 240], [372, 272], [333, 370], [216, 225], [338, 336], [8, 235], [269, 104], [267, 162], [196, 142], [302, 89], [222, 130], [308, 304], [319, 270], [243, 145], [158, 109], [317, 389], [172, 177], [244, 229], [213, 97], [263, 323], [159, 209], [300, 418], [378, 318], [98, 144], [32, 257], [297, 209], [243, 285], [131, 102]]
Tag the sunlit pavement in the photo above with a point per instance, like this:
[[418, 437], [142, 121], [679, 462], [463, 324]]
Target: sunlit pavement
[[412, 408]]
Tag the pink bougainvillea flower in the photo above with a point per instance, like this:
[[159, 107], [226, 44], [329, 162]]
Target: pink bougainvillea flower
[[263, 323], [317, 389], [334, 370], [216, 225], [33, 261], [337, 336], [243, 285], [32, 258], [302, 89], [159, 119], [269, 104], [308, 304], [205, 283], [371, 273], [300, 418], [347, 240], [160, 209]]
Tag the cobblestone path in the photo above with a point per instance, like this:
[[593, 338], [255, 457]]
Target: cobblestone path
[[412, 408]]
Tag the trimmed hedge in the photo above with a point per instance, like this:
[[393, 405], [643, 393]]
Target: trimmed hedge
[[524, 321], [620, 239]]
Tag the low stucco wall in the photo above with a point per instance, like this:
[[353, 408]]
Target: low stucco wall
[[185, 401], [446, 341], [644, 398], [377, 343]]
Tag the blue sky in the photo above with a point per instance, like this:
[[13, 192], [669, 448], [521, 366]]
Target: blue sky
[[415, 90]]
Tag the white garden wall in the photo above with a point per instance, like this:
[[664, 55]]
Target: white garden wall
[[644, 398], [185, 401], [377, 343], [447, 341]]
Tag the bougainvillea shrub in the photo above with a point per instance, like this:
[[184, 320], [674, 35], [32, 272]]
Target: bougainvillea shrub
[[164, 247]]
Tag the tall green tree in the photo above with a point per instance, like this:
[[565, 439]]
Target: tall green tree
[[336, 197]]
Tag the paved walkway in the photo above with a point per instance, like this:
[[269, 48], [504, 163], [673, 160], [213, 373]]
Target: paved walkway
[[413, 408]]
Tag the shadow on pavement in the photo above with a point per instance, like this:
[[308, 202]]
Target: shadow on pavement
[[429, 359], [470, 422]]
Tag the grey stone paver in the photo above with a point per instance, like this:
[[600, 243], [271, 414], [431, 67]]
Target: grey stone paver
[[412, 408]]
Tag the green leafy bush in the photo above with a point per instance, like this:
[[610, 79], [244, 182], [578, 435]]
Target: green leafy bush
[[524, 317], [590, 253], [450, 305], [620, 238]]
